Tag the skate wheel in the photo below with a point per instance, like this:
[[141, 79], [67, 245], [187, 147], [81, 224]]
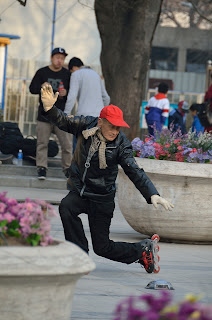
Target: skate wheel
[[157, 258], [157, 269], [156, 249], [155, 237]]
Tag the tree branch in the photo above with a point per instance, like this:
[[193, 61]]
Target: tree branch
[[85, 5], [199, 12], [23, 2]]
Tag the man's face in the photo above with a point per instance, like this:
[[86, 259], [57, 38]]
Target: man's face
[[58, 60], [108, 130]]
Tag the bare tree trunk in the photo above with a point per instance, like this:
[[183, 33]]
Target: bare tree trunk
[[126, 29]]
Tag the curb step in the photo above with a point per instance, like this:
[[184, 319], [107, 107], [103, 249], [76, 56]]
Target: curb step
[[26, 177], [29, 171], [32, 182]]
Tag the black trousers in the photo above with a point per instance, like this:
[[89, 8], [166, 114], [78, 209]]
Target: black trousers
[[99, 217]]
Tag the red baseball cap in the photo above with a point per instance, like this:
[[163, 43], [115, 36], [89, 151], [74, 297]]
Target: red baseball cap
[[114, 115], [183, 105]]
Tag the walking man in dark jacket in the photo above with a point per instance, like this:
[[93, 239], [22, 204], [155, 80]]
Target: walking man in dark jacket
[[101, 147]]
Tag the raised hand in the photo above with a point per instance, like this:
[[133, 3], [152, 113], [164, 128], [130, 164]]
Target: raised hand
[[48, 97]]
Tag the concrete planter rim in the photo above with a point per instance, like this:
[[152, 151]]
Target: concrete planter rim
[[58, 259], [165, 167]]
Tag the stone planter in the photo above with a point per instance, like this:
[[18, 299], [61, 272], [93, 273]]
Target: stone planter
[[187, 185], [38, 282]]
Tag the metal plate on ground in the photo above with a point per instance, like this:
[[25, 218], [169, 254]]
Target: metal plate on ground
[[160, 285]]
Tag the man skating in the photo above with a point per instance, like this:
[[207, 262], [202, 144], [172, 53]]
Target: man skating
[[101, 147]]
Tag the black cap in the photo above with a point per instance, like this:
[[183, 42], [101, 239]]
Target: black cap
[[59, 50]]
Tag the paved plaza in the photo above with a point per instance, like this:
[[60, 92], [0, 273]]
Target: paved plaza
[[187, 267]]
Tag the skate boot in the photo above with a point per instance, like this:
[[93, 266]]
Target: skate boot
[[150, 258]]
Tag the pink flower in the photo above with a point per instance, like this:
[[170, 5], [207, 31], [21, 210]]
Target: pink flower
[[2, 208], [194, 150], [9, 217], [179, 156], [167, 145], [147, 139], [176, 141], [160, 147], [12, 202], [156, 145], [31, 219], [179, 148]]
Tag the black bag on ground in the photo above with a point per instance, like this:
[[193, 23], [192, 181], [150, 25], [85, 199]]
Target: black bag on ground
[[9, 128], [204, 114], [53, 148], [10, 138], [11, 144], [29, 147]]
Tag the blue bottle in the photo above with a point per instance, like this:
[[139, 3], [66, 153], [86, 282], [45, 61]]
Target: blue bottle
[[20, 158]]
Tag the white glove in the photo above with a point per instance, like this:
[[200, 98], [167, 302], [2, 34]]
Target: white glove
[[155, 199], [48, 97]]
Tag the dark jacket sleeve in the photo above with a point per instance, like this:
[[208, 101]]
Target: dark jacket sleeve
[[135, 174], [36, 83], [70, 124]]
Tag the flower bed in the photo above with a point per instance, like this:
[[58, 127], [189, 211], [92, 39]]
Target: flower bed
[[25, 223], [151, 307], [174, 146]]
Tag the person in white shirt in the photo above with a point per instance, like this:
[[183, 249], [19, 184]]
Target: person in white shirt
[[157, 110], [87, 89]]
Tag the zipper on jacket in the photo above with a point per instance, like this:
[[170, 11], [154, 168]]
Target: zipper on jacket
[[87, 165], [82, 190]]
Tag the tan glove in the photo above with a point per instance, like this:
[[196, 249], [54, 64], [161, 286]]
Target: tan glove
[[48, 97], [155, 199]]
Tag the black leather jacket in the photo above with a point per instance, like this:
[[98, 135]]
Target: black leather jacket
[[90, 181]]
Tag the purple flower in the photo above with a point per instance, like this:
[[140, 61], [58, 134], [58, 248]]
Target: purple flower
[[171, 143], [154, 307]]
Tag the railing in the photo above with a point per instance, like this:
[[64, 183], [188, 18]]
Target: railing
[[177, 96], [21, 106]]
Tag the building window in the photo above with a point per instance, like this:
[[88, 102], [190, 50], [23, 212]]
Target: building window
[[196, 60], [164, 58]]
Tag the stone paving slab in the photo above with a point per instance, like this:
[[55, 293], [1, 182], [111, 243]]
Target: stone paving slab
[[187, 267]]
